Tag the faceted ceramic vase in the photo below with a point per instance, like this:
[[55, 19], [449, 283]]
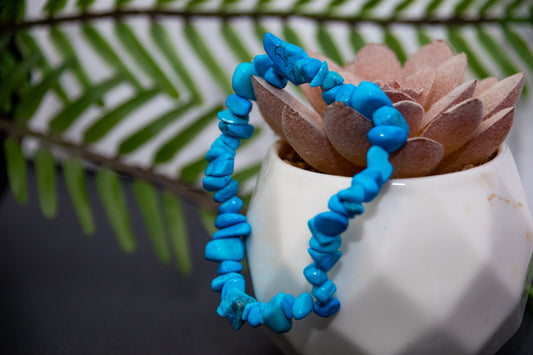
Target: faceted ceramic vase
[[435, 265]]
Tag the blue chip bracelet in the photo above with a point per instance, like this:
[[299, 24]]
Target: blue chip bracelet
[[285, 62]]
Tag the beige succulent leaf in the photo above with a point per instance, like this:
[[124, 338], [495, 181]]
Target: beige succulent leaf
[[413, 113], [447, 76], [430, 55], [418, 157], [422, 81], [484, 85], [376, 62], [501, 95], [314, 97], [347, 130]]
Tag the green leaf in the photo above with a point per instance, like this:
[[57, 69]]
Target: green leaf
[[233, 40], [161, 38], [112, 118], [32, 98], [155, 126], [247, 173], [291, 36], [204, 54], [487, 6], [193, 3], [192, 171], [460, 45], [106, 52], [393, 43], [16, 169], [45, 173], [143, 59], [462, 6], [53, 6], [300, 3], [357, 41], [402, 6], [207, 218], [512, 6], [171, 147], [148, 203], [336, 3], [175, 221], [114, 202], [15, 77], [12, 11], [71, 112], [327, 45], [519, 45], [433, 6], [120, 3], [75, 181], [259, 31], [500, 57], [422, 37], [368, 6], [84, 4]]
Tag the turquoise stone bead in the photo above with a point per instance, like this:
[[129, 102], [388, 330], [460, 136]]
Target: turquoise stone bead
[[322, 238], [302, 306], [234, 204], [275, 79], [229, 117], [254, 316], [233, 305], [218, 282], [335, 205], [374, 174], [231, 142], [232, 285], [389, 116], [354, 194], [240, 131], [327, 309], [226, 192], [368, 98], [345, 94], [225, 249], [237, 230], [324, 261], [354, 208], [329, 95], [229, 219], [242, 80], [216, 152], [320, 75], [324, 292], [306, 69], [330, 223], [390, 138], [229, 266], [378, 158], [273, 315], [331, 80], [330, 247], [286, 305], [214, 183], [262, 63], [238, 105], [370, 186], [221, 166], [284, 55], [314, 275]]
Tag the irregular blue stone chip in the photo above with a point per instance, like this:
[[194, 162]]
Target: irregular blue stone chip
[[330, 247], [345, 93], [275, 79], [234, 283], [238, 105], [218, 282], [241, 131], [231, 142], [229, 219], [234, 204], [325, 261], [284, 55], [378, 158], [216, 152], [237, 230], [241, 81], [331, 80], [302, 306], [329, 95], [330, 223], [306, 69], [233, 305], [262, 63], [229, 117], [321, 237], [221, 166], [354, 208], [327, 309], [225, 249], [214, 183], [354, 194], [374, 174], [320, 75], [368, 98], [252, 314], [390, 138], [286, 305], [370, 186], [336, 205], [229, 266], [226, 192], [314, 275], [389, 116], [274, 317], [324, 292]]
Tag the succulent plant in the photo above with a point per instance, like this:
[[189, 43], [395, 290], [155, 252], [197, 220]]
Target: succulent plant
[[453, 124]]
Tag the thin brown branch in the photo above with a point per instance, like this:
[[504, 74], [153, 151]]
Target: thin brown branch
[[192, 194]]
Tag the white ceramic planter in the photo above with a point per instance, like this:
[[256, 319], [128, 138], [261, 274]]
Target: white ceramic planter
[[436, 265]]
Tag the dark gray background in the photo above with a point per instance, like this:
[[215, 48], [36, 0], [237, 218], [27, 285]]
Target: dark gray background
[[65, 293]]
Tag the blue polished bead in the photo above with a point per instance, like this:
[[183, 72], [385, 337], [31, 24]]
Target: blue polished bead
[[314, 275], [274, 317], [275, 79], [229, 117], [239, 131], [232, 285], [253, 314], [233, 304], [354, 208], [368, 98], [231, 142], [328, 309], [229, 266], [262, 63], [216, 152], [389, 116], [378, 158], [238, 105], [329, 247], [321, 237], [234, 204], [370, 186], [306, 69], [221, 166], [374, 174], [286, 305], [284, 55], [329, 95], [229, 219], [242, 80], [324, 292], [331, 80], [345, 94], [237, 230], [225, 249], [390, 138], [324, 261], [330, 223], [335, 205], [302, 306], [226, 192], [218, 282], [354, 194], [320, 75], [214, 183]]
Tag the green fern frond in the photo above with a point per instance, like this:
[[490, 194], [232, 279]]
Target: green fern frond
[[74, 176], [45, 172], [16, 170]]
